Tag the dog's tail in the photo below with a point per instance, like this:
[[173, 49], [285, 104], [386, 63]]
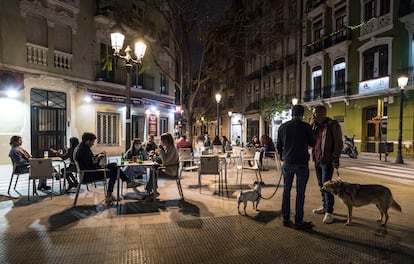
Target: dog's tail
[[395, 205]]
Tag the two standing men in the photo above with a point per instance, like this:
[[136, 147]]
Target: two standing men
[[294, 138]]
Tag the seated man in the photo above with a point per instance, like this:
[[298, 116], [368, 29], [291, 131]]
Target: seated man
[[88, 161], [184, 143]]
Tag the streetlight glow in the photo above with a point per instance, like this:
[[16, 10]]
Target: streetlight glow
[[402, 83], [117, 42], [218, 97]]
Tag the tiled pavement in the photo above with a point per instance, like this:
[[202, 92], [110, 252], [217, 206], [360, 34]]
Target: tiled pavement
[[205, 228]]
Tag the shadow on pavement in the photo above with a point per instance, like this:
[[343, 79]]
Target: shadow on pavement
[[70, 216]]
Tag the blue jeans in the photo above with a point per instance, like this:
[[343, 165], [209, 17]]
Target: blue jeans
[[324, 173], [302, 176]]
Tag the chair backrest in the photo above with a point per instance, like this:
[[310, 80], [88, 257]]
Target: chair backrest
[[41, 168], [185, 154], [249, 153], [257, 156], [209, 165], [236, 151], [77, 167]]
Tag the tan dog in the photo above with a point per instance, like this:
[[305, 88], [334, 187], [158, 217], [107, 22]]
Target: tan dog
[[359, 195], [250, 195]]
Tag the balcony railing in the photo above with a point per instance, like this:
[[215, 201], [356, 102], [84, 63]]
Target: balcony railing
[[326, 92], [328, 41], [63, 60], [252, 106], [36, 54], [376, 23]]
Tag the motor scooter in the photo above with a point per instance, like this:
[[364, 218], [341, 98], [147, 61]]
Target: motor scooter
[[349, 147]]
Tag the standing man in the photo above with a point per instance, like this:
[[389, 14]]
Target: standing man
[[294, 139], [326, 155]]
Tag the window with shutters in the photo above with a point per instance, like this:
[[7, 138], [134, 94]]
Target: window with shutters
[[108, 129]]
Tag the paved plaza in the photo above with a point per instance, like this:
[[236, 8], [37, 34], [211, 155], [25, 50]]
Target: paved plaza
[[206, 227]]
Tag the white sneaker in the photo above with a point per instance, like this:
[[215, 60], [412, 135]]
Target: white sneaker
[[328, 218], [318, 211]]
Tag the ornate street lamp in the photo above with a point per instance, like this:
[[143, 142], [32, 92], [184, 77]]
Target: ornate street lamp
[[402, 82], [117, 42], [218, 99]]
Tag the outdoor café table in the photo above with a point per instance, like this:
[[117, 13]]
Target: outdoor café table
[[146, 164]]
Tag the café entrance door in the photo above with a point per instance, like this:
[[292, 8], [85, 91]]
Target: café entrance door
[[48, 121]]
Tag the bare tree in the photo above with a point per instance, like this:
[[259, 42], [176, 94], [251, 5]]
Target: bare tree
[[187, 35]]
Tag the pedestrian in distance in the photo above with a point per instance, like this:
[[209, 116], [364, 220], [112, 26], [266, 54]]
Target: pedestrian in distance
[[294, 139], [326, 155]]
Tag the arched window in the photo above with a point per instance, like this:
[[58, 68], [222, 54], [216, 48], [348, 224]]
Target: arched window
[[339, 76], [317, 82]]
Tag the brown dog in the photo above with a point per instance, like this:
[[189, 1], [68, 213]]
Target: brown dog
[[359, 195]]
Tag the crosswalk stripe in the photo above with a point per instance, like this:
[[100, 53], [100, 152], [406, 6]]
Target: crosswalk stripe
[[391, 166], [382, 172]]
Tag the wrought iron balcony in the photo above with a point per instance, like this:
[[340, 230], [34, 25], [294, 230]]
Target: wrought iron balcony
[[329, 91], [328, 41]]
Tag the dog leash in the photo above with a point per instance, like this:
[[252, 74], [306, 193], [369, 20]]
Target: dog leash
[[277, 186]]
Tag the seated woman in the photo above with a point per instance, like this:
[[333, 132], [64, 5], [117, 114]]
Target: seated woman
[[267, 146], [20, 158], [138, 151], [169, 158], [72, 181]]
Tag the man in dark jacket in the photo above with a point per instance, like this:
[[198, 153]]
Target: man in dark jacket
[[294, 139], [88, 161], [326, 155]]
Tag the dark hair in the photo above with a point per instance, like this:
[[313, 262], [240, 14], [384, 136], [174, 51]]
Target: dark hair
[[167, 137], [298, 110], [88, 136], [73, 141], [13, 140], [184, 137], [320, 108]]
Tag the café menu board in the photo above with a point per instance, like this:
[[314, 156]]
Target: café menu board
[[153, 124]]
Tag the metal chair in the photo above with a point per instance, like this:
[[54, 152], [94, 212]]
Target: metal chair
[[185, 156], [209, 165], [81, 174], [17, 174], [272, 155], [243, 165], [40, 169]]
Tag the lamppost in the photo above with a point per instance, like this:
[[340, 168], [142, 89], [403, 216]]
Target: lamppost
[[117, 42], [402, 82], [218, 99], [230, 113]]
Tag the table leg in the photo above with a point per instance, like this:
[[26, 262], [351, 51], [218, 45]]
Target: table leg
[[117, 185], [154, 184]]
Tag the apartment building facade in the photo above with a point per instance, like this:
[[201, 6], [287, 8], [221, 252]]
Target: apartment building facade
[[353, 54], [56, 56]]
